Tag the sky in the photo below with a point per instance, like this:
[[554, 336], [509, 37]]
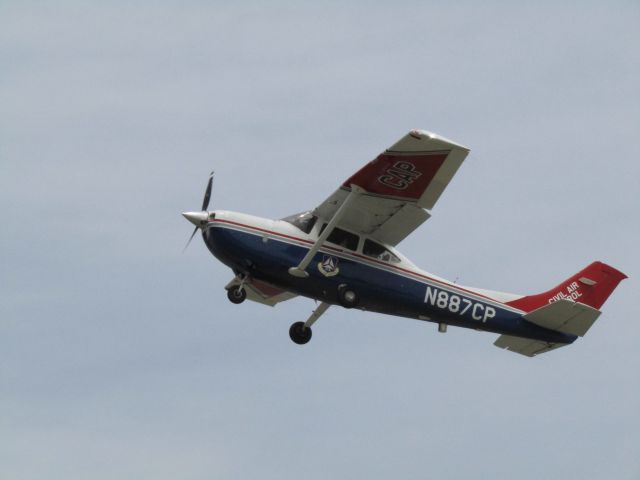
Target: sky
[[120, 356]]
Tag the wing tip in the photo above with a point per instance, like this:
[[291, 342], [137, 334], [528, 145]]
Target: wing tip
[[420, 134]]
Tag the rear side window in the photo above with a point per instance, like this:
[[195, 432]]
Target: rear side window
[[375, 250], [342, 237]]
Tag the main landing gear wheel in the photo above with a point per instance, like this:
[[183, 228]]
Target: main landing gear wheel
[[299, 333], [236, 295], [347, 297]]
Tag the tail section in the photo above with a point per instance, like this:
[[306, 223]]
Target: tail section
[[590, 286]]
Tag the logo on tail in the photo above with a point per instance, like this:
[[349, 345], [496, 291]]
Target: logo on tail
[[572, 292]]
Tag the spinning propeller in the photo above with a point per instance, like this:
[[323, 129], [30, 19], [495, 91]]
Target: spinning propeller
[[199, 219]]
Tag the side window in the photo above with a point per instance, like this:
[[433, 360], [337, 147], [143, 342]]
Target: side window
[[375, 250], [341, 237]]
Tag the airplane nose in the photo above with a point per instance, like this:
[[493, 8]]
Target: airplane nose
[[197, 218]]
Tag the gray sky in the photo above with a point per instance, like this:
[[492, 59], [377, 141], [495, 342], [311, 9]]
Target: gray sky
[[122, 358]]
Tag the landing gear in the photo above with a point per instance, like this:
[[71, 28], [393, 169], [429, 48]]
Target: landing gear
[[299, 333], [347, 297], [236, 294]]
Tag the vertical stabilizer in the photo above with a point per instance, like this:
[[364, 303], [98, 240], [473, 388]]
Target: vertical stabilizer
[[590, 286]]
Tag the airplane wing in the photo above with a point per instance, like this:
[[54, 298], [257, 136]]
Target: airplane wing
[[401, 187], [262, 292]]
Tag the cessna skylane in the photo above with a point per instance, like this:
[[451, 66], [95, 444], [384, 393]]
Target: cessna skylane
[[343, 253]]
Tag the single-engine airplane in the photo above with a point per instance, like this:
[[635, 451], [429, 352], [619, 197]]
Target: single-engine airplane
[[343, 253]]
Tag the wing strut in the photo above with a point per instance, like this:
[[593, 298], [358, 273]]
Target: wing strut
[[299, 271]]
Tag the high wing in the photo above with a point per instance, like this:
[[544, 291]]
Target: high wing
[[400, 186]]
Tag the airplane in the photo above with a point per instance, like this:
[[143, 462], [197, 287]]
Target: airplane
[[343, 253]]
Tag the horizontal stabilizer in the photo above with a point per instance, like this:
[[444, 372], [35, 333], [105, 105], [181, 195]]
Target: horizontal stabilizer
[[564, 316], [525, 346]]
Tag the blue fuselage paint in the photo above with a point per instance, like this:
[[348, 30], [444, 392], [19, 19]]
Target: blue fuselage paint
[[380, 288]]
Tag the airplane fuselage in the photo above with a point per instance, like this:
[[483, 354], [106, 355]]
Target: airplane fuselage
[[265, 250]]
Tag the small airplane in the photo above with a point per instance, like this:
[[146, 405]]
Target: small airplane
[[343, 253]]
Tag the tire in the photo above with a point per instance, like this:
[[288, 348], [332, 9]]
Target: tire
[[299, 333], [347, 297], [236, 295]]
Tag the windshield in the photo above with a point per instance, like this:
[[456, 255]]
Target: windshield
[[304, 221]]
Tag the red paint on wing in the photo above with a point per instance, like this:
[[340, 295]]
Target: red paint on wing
[[405, 176]]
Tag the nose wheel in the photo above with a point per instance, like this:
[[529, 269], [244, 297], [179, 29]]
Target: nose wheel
[[236, 295]]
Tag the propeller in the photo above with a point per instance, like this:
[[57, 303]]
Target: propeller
[[207, 193], [199, 218]]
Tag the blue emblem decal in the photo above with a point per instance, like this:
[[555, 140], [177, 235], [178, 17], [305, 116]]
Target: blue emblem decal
[[328, 266]]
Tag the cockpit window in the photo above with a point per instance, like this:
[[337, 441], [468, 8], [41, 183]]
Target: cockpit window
[[304, 221], [375, 250], [342, 237]]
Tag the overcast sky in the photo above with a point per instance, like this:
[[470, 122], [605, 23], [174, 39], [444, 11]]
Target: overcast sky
[[120, 357]]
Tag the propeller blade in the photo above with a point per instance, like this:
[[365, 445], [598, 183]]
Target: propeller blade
[[207, 193], [190, 238], [197, 217]]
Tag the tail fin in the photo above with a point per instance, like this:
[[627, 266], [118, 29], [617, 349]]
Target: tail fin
[[591, 286]]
